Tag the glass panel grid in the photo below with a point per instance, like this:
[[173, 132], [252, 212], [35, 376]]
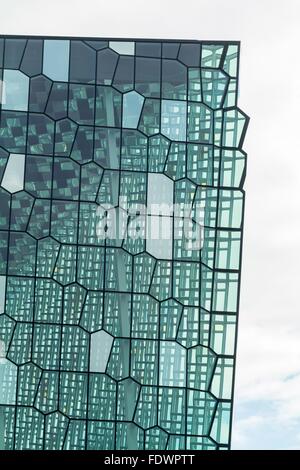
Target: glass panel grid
[[118, 343]]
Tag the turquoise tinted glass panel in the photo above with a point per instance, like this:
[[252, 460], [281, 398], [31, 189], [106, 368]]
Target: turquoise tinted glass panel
[[173, 119], [13, 177]]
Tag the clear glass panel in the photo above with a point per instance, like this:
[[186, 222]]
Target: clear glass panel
[[15, 90], [56, 59], [13, 178]]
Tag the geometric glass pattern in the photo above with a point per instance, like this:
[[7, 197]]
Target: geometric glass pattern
[[123, 342]]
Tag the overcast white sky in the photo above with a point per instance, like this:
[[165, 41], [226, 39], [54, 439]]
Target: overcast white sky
[[267, 399]]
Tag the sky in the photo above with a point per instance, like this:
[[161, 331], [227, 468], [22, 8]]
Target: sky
[[267, 392]]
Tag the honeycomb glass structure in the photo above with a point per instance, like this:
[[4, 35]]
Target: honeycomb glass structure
[[126, 342]]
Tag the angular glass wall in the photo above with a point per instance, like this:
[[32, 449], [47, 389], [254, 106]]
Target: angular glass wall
[[124, 342]]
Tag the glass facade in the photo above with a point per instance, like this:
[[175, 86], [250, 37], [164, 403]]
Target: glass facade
[[121, 342]]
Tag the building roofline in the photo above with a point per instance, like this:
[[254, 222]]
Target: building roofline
[[92, 38]]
